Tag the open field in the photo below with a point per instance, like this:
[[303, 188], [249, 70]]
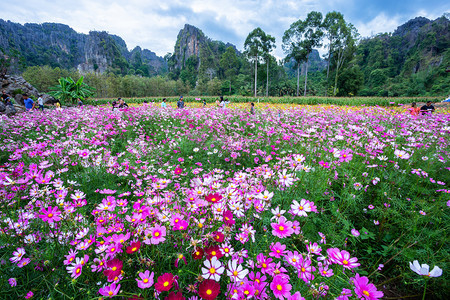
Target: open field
[[354, 101], [320, 201]]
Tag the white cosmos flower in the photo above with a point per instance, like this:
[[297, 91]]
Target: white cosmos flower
[[235, 271], [424, 269], [213, 269]]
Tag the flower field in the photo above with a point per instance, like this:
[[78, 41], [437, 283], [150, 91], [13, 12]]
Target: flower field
[[294, 202]]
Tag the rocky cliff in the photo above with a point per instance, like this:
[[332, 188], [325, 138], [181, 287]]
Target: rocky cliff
[[59, 45]]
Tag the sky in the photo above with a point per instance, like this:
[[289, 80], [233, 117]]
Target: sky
[[154, 25]]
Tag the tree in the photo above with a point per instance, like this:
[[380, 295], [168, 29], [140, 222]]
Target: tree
[[253, 46], [300, 39], [342, 37], [69, 90], [268, 43], [229, 62]]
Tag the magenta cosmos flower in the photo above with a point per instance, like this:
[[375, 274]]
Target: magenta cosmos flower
[[283, 228], [146, 279], [50, 215], [109, 290], [364, 289], [280, 287], [164, 282]]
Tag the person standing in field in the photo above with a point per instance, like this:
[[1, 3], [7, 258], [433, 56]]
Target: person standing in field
[[163, 103], [180, 103], [252, 108], [41, 103], [29, 103]]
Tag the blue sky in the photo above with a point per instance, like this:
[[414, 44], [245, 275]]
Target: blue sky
[[154, 25]]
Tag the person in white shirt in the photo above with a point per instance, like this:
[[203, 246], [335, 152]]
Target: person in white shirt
[[41, 103]]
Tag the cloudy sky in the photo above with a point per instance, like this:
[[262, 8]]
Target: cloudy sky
[[154, 25]]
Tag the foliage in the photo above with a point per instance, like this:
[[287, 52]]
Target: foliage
[[69, 90]]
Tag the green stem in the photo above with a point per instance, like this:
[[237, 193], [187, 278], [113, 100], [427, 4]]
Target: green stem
[[425, 289]]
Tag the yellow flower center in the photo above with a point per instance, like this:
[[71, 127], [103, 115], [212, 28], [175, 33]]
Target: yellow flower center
[[279, 287], [166, 283], [281, 228], [345, 262], [145, 280], [366, 293], [303, 270], [50, 215], [133, 249], [212, 270], [235, 273], [213, 253], [208, 292], [156, 234]]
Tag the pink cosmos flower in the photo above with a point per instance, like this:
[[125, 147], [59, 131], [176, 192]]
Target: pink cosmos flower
[[343, 258], [280, 287], [17, 255], [323, 238], [264, 263], [283, 228], [345, 294], [324, 270], [29, 295], [345, 155], [75, 270], [277, 250], [12, 282], [23, 262], [146, 279], [50, 215], [296, 296], [313, 248], [355, 232], [246, 290], [109, 290], [158, 234], [305, 269], [364, 289]]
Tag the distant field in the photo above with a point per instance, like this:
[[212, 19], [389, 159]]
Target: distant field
[[371, 101]]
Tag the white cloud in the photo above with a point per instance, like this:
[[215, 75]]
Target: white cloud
[[381, 23]]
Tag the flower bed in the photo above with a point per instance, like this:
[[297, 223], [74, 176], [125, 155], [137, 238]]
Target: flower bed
[[198, 203]]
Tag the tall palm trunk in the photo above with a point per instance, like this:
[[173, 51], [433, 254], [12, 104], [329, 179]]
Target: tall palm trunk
[[256, 72], [267, 83], [306, 75]]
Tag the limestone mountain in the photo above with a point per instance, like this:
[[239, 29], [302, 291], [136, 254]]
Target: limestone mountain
[[58, 45], [196, 56], [410, 61]]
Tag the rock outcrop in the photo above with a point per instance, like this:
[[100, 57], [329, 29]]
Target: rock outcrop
[[16, 86]]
